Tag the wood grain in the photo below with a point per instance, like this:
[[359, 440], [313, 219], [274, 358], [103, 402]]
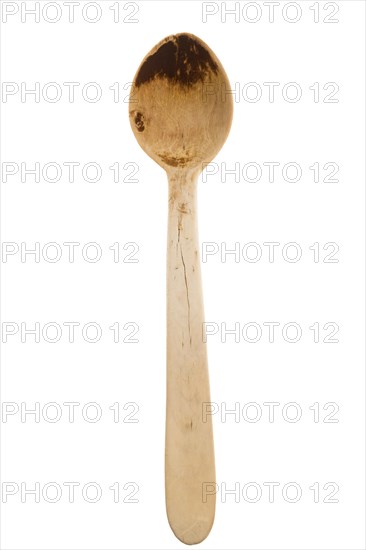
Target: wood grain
[[180, 112], [189, 455]]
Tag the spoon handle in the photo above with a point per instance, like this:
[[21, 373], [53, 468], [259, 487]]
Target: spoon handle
[[189, 451]]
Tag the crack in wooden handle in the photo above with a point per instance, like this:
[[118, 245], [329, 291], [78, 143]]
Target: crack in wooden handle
[[189, 451]]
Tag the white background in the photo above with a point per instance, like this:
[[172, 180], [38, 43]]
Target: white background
[[303, 292]]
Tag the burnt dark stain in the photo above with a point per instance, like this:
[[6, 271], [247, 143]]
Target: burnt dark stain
[[181, 59], [139, 122], [174, 161]]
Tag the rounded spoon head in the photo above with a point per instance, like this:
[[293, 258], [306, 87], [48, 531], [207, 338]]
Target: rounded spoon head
[[179, 111]]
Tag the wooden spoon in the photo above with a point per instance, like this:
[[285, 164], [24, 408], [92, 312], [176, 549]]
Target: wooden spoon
[[181, 117]]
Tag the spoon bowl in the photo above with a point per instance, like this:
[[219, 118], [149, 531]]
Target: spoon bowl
[[179, 111]]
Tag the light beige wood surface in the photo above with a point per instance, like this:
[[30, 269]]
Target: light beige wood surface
[[181, 116]]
